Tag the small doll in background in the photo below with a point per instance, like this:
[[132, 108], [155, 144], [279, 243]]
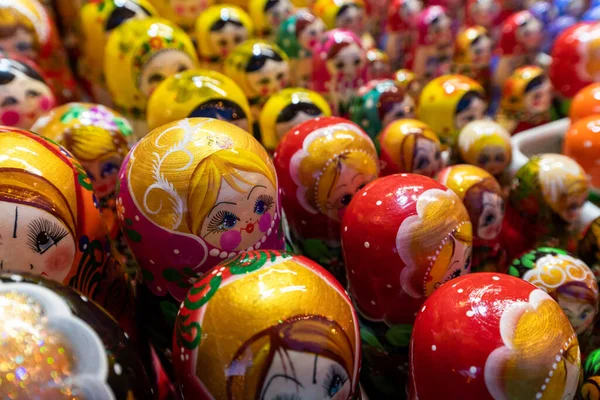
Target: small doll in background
[[473, 54], [401, 27]]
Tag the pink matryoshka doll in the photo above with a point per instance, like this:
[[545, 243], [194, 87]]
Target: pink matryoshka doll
[[339, 68], [530, 350], [193, 193], [483, 198], [431, 54], [321, 164], [401, 28], [403, 236]]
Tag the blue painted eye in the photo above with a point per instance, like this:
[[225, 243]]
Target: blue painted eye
[[229, 220], [259, 207], [109, 168], [583, 315], [336, 385]]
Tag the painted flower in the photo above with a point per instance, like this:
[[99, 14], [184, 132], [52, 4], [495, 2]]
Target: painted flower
[[156, 43], [120, 209]]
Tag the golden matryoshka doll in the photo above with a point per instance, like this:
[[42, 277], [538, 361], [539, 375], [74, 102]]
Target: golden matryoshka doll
[[378, 65], [139, 55], [342, 14], [51, 225], [473, 54], [409, 81], [409, 145], [526, 100], [199, 93], [285, 110], [321, 165], [267, 15], [98, 20], [219, 29], [450, 102], [483, 198], [546, 200], [486, 144], [182, 12], [193, 193], [260, 68], [27, 29], [295, 345]]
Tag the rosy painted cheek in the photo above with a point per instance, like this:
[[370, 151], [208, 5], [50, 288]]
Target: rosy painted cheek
[[230, 240], [10, 118], [58, 262], [264, 223], [46, 103], [180, 10]]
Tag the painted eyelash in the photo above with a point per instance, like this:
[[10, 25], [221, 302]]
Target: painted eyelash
[[216, 223], [268, 200], [333, 372], [42, 225]]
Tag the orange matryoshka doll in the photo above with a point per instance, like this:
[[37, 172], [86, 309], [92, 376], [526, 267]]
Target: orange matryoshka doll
[[473, 54], [139, 55], [193, 193], [297, 346], [585, 103], [582, 144], [51, 225], [27, 29]]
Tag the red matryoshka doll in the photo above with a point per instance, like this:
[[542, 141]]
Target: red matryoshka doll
[[546, 199], [408, 80], [431, 54], [473, 54], [401, 29], [582, 144], [483, 198], [450, 102], [530, 349], [24, 92], [339, 68], [519, 44], [267, 15], [56, 344], [296, 346], [409, 145], [526, 100], [193, 193], [378, 65], [483, 13], [585, 103], [51, 225], [27, 29], [321, 164], [403, 236]]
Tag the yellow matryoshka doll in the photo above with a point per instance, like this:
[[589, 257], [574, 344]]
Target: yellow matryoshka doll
[[342, 14], [199, 93], [193, 193], [409, 81], [267, 15], [140, 55], [448, 103], [50, 223], [99, 138], [218, 30], [98, 20], [182, 12], [287, 109], [473, 54]]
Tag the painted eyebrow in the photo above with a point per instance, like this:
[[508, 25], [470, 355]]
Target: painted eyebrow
[[257, 186], [219, 203], [354, 177], [286, 377]]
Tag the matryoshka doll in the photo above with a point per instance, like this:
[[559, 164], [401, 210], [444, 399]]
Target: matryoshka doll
[[555, 28], [473, 54], [574, 8], [98, 20], [261, 69], [378, 65], [582, 144], [590, 388], [342, 14], [267, 15], [585, 103], [295, 347], [218, 30], [339, 69], [56, 344], [431, 54], [486, 144], [51, 225], [138, 57], [450, 102], [409, 145], [199, 93], [408, 80], [287, 109], [182, 12], [483, 198], [321, 165], [193, 193], [24, 92], [403, 236], [483, 13], [567, 280], [546, 199], [530, 349], [401, 29], [27, 29], [298, 36], [526, 100], [378, 103]]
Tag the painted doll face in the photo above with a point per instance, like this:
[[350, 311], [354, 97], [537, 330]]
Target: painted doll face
[[311, 34], [460, 264], [23, 100], [404, 109], [440, 30], [300, 117], [571, 205], [475, 111], [278, 13], [160, 67], [530, 34], [21, 42], [580, 314], [483, 13], [33, 240], [350, 181], [493, 159], [225, 39], [481, 52], [269, 79], [539, 99], [187, 9], [239, 219], [492, 215], [427, 159], [352, 18], [347, 62], [410, 9], [103, 174], [312, 377]]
